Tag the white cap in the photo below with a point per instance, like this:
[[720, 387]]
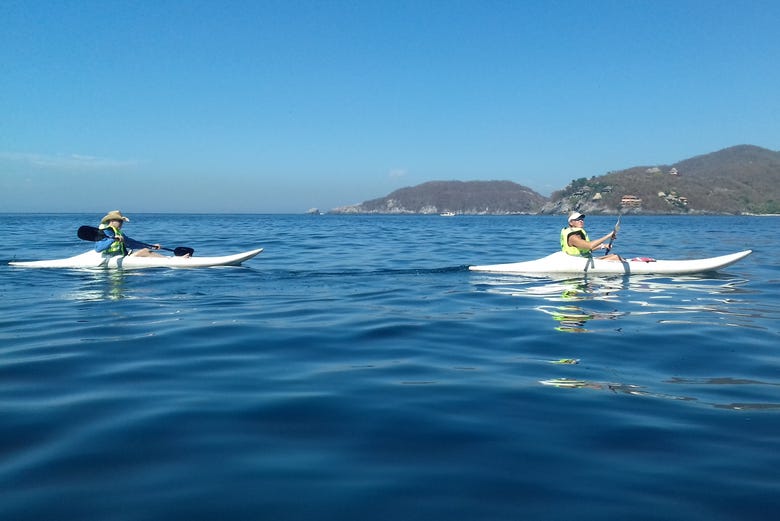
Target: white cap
[[576, 215]]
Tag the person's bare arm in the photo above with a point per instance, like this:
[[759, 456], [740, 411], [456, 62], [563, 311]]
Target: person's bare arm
[[576, 240]]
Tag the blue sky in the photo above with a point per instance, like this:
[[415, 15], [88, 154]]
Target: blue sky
[[281, 106]]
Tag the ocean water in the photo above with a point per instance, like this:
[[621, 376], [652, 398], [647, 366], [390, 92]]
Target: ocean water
[[356, 370]]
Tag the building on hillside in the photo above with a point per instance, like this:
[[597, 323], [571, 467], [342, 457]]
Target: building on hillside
[[674, 199], [630, 201], [674, 171]]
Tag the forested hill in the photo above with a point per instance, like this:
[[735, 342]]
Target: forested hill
[[744, 179], [460, 197], [737, 180]]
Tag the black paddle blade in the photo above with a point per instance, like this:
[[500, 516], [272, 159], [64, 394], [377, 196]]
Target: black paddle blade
[[181, 251], [90, 233]]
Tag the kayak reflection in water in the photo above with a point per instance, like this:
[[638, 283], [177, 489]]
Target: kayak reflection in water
[[575, 241], [117, 243]]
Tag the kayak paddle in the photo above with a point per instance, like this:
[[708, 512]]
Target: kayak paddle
[[614, 230], [90, 233]]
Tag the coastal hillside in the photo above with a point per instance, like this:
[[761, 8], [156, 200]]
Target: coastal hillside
[[743, 179], [459, 197], [737, 180]]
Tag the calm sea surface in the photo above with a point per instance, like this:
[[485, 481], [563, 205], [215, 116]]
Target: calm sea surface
[[356, 370]]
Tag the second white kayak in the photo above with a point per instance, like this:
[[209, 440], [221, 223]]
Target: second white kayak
[[562, 263]]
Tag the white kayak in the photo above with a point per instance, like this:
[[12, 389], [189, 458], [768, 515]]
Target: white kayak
[[562, 263], [93, 259]]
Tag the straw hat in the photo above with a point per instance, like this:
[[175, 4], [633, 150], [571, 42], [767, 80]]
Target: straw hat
[[114, 215]]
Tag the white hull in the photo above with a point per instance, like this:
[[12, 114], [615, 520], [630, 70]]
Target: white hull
[[93, 259], [561, 263]]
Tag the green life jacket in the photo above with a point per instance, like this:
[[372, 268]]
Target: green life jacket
[[117, 247], [573, 250]]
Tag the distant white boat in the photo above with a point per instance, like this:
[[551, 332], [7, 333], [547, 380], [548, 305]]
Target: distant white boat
[[447, 214]]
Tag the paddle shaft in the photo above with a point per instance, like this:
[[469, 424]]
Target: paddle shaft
[[614, 231], [90, 233]]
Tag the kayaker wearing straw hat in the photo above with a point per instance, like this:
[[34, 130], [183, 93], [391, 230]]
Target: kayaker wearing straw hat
[[117, 243], [574, 239]]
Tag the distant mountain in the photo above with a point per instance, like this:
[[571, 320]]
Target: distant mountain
[[459, 197], [744, 179], [740, 179]]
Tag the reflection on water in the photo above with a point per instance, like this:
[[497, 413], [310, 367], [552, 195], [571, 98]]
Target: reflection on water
[[567, 361], [573, 319], [622, 388], [638, 390], [586, 298], [581, 288], [605, 288], [101, 285], [647, 306]]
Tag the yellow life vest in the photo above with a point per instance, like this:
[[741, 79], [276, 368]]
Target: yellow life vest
[[573, 250], [117, 247]]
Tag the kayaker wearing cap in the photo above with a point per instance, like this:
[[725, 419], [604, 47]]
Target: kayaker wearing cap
[[117, 243], [575, 241]]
